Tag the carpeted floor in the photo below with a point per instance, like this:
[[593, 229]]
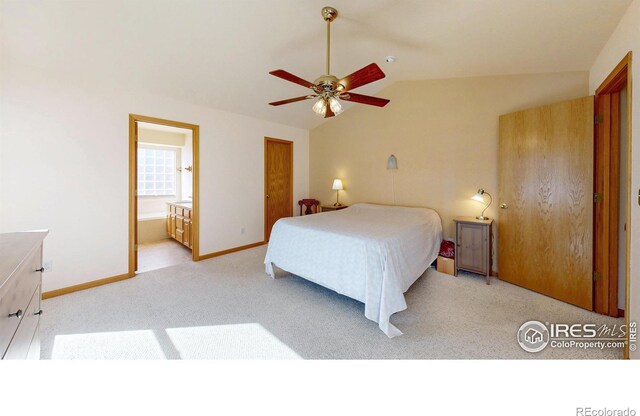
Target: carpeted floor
[[227, 308]]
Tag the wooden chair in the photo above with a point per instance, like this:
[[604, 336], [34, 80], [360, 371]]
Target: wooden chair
[[311, 206]]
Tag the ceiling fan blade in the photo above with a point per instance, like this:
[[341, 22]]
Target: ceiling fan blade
[[291, 100], [281, 73], [364, 99], [366, 75]]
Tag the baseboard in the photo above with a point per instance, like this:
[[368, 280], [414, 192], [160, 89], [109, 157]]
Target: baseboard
[[620, 313], [83, 286], [113, 279], [231, 250], [495, 274]]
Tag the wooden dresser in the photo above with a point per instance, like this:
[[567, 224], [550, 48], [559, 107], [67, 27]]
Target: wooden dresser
[[20, 293]]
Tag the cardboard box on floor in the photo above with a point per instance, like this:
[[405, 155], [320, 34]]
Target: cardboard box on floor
[[445, 265]]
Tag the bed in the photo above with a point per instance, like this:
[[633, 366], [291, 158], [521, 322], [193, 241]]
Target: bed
[[371, 253]]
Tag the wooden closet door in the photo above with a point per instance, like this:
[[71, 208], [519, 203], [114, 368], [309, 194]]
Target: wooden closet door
[[278, 182], [545, 225]]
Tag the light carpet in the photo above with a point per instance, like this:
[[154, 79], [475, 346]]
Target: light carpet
[[228, 308]]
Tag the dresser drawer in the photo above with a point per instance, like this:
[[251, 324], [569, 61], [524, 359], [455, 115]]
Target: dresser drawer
[[34, 348], [16, 295], [21, 342]]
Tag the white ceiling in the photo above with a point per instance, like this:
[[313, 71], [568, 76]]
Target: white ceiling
[[218, 53]]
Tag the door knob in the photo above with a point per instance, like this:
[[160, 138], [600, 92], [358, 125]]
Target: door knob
[[16, 314], [267, 196], [504, 206]]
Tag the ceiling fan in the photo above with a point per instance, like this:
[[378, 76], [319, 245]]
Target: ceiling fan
[[328, 89]]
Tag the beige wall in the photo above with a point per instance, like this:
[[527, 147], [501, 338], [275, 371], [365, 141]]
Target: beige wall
[[58, 171], [444, 134], [626, 38], [152, 230]]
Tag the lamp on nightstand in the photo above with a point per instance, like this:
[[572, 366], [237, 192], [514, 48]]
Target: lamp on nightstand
[[337, 186], [480, 198]]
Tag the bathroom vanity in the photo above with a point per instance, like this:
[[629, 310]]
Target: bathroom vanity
[[179, 222]]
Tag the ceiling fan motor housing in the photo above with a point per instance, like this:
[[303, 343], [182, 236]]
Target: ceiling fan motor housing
[[327, 83]]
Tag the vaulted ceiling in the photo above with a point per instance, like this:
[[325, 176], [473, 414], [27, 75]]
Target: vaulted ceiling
[[218, 53]]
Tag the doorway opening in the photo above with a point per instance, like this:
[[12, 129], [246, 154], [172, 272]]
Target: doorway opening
[[612, 191], [163, 193]]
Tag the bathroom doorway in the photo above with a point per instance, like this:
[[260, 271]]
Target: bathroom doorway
[[163, 193]]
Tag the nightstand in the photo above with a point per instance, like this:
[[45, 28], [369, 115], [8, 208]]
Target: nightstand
[[326, 208], [473, 246]]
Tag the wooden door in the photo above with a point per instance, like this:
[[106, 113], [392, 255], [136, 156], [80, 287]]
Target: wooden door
[[545, 225], [610, 192], [278, 182]]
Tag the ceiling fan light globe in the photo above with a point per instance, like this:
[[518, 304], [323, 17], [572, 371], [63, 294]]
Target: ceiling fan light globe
[[335, 105], [320, 107]]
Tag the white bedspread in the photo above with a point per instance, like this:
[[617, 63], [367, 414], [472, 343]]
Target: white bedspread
[[371, 253]]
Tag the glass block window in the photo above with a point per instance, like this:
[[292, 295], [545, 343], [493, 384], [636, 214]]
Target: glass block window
[[157, 171]]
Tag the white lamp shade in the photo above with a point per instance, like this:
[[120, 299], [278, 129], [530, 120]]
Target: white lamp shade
[[479, 196], [392, 163], [337, 185]]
